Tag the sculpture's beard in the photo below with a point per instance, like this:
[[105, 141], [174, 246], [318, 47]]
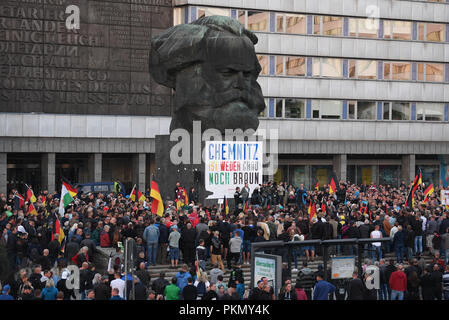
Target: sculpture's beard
[[231, 109], [235, 115]]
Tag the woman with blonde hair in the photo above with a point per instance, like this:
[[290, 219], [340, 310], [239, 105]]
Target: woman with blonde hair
[[49, 292], [202, 284]]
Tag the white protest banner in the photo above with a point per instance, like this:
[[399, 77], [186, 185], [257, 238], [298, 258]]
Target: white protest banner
[[445, 197], [231, 164]]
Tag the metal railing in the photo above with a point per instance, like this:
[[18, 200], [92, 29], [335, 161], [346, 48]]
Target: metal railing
[[325, 244]]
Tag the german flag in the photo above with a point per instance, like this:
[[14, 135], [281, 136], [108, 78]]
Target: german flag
[[57, 230], [420, 177], [312, 210], [225, 205], [30, 195], [186, 198], [333, 183], [157, 206], [136, 194], [32, 209], [411, 196], [428, 192], [245, 207], [317, 186]]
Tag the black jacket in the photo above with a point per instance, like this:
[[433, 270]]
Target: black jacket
[[210, 295], [102, 291], [159, 285], [356, 289], [293, 295], [189, 292]]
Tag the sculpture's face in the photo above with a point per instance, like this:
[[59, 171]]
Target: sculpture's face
[[221, 92]]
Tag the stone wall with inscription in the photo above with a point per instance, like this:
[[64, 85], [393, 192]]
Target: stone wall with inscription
[[101, 68]]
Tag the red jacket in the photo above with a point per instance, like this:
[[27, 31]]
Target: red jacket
[[105, 241], [398, 281]]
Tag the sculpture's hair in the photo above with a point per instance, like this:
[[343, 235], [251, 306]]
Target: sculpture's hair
[[183, 45]]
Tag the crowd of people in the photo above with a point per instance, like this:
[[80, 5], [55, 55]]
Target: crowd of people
[[193, 238]]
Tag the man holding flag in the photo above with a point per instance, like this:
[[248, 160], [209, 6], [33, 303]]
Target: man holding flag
[[67, 194], [30, 195]]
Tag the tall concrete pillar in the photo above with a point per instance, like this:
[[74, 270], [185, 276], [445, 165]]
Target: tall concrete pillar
[[3, 172], [139, 170], [95, 167], [340, 164], [48, 171], [408, 168]]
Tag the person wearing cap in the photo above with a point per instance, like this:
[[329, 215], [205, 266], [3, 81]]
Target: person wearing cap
[[5, 293]]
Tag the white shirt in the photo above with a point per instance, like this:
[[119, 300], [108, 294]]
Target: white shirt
[[376, 235], [120, 285], [393, 231]]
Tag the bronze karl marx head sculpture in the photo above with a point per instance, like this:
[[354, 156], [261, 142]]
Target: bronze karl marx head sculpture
[[212, 66]]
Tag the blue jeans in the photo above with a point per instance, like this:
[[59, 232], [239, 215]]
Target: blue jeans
[[378, 250], [295, 257], [409, 253], [399, 254], [446, 295], [174, 253], [397, 295], [418, 244], [383, 292], [152, 252]]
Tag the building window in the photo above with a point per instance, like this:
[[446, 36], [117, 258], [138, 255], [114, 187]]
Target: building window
[[280, 22], [386, 111], [366, 110], [279, 107], [352, 106], [296, 23], [326, 109], [179, 16], [434, 72], [401, 70], [430, 111], [258, 21], [352, 71], [295, 108], [295, 66], [363, 27], [421, 27], [402, 30], [366, 69], [279, 65], [400, 111], [387, 70], [331, 67], [209, 11], [332, 26], [420, 71], [242, 17], [435, 32], [316, 24], [264, 63]]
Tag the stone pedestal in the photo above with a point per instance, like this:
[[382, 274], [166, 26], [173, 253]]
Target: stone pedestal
[[167, 173]]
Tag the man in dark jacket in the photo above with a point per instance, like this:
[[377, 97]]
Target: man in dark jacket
[[140, 291], [399, 242], [143, 275], [356, 288], [188, 244], [102, 289], [35, 278], [90, 244], [189, 292], [159, 284], [163, 241], [71, 249], [257, 293]]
